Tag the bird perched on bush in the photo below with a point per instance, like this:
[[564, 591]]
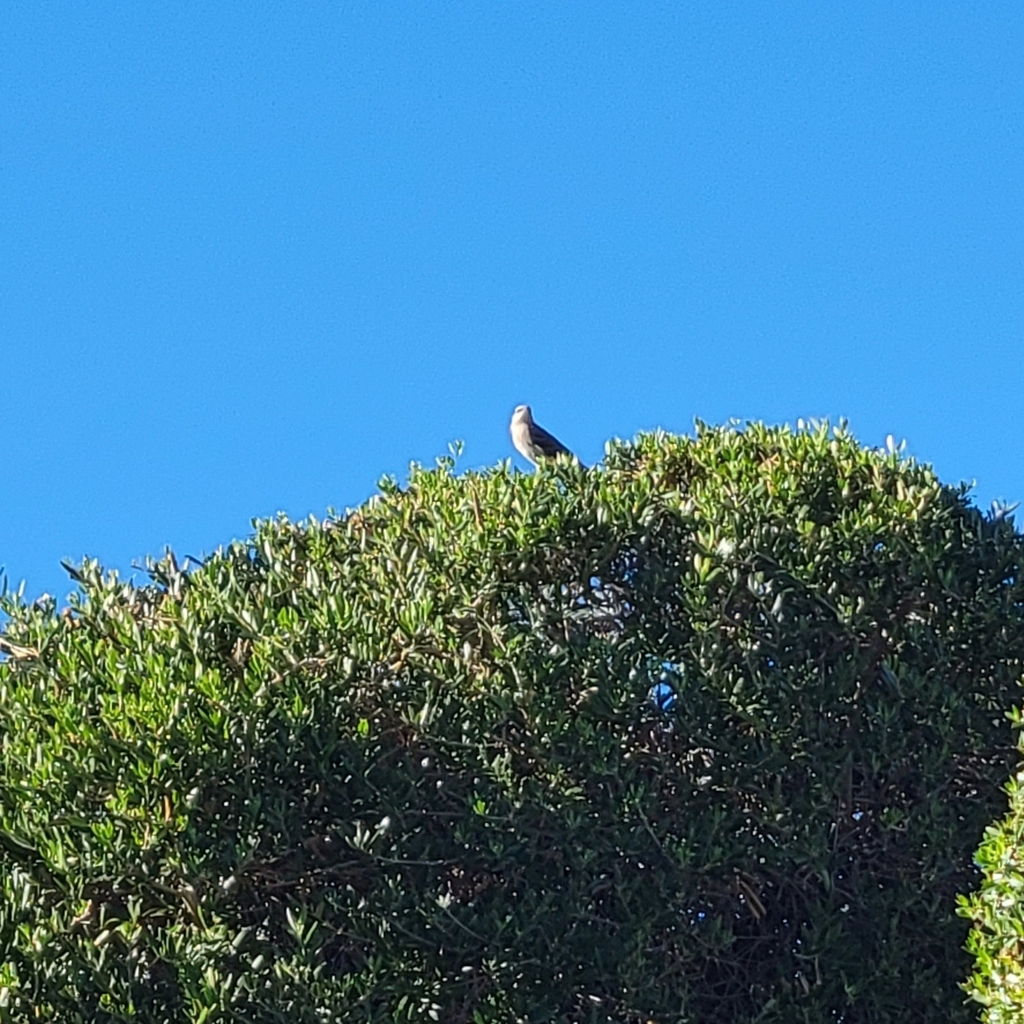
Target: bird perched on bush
[[532, 441]]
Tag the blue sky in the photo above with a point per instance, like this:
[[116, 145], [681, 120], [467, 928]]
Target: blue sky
[[252, 257]]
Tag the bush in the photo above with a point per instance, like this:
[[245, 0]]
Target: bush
[[997, 914], [707, 735]]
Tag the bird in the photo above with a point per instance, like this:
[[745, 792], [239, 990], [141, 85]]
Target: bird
[[534, 442]]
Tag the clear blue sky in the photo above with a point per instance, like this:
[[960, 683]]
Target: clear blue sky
[[254, 256]]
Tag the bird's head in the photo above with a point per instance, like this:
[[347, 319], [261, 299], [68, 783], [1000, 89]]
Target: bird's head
[[523, 413]]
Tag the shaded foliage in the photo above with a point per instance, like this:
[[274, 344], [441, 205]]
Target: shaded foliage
[[709, 734]]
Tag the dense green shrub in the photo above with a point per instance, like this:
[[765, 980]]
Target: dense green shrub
[[708, 734], [996, 911]]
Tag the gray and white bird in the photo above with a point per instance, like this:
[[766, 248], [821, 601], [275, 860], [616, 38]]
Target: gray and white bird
[[534, 442]]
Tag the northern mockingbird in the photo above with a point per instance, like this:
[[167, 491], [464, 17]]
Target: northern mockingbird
[[531, 441]]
